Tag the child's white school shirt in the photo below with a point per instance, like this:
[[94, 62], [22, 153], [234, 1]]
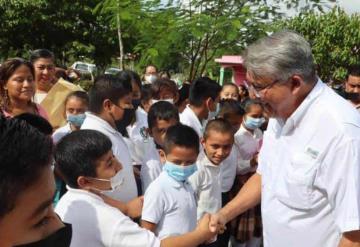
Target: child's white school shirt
[[206, 182], [171, 205], [96, 224], [189, 118], [128, 190], [61, 132]]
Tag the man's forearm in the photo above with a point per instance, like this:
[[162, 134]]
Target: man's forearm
[[248, 197], [350, 239]]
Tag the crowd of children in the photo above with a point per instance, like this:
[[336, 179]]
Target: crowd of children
[[143, 164]]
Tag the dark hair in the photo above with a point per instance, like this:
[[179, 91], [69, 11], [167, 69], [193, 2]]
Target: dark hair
[[181, 135], [25, 153], [76, 154], [108, 87], [353, 70], [7, 69], [146, 93], [246, 104], [161, 84], [229, 84], [162, 110], [203, 88], [184, 92], [150, 65], [230, 107], [83, 96], [218, 125], [41, 53], [133, 75], [243, 87], [37, 122]]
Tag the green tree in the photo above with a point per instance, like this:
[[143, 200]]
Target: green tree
[[334, 37]]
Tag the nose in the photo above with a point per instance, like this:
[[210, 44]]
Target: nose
[[357, 89], [118, 166]]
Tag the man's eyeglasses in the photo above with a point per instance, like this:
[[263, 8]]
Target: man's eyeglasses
[[259, 90]]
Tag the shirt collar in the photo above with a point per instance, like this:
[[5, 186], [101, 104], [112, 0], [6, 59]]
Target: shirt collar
[[206, 162], [295, 118], [101, 122], [191, 113], [83, 192], [173, 183]]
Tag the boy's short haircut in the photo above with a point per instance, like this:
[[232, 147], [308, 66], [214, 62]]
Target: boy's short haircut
[[181, 135], [218, 125], [133, 75], [162, 110], [203, 88], [37, 122], [229, 84], [112, 87], [230, 107], [161, 84], [78, 94], [76, 154], [41, 53], [246, 104], [25, 153]]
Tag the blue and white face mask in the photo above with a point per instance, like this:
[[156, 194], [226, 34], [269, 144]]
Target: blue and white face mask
[[179, 173], [253, 123], [76, 120]]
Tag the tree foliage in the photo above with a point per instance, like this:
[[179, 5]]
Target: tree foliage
[[334, 37]]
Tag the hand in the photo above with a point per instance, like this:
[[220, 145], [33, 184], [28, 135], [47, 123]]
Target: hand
[[134, 207], [203, 228], [217, 223]]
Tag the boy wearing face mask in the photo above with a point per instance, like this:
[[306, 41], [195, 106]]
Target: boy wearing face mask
[[110, 100], [86, 161], [169, 202], [76, 104], [203, 104]]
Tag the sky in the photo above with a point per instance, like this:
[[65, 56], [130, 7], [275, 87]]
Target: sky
[[350, 6]]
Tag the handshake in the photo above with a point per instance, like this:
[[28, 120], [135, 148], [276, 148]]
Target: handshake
[[210, 225]]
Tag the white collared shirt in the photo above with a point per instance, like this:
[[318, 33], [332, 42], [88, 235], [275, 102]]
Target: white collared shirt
[[189, 118], [247, 145], [96, 224], [128, 189], [171, 205], [206, 182], [151, 166], [141, 122], [61, 132], [310, 173], [228, 170]]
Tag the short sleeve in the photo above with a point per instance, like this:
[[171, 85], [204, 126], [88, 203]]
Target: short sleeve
[[154, 203], [128, 234], [340, 176]]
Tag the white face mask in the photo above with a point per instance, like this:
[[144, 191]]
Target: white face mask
[[150, 78], [115, 182], [171, 101]]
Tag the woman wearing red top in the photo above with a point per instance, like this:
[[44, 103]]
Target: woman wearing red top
[[17, 88]]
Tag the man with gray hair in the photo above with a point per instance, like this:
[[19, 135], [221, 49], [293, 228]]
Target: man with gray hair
[[308, 179]]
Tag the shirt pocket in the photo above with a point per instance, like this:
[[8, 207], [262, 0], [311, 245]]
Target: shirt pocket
[[295, 188]]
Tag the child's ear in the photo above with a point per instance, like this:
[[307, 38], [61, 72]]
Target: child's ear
[[83, 182], [202, 141], [107, 105], [162, 156]]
